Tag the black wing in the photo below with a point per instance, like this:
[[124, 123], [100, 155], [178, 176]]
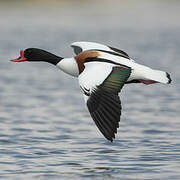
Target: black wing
[[104, 103]]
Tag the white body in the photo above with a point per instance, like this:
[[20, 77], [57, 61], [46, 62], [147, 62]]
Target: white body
[[96, 72], [69, 66], [138, 71], [102, 69]]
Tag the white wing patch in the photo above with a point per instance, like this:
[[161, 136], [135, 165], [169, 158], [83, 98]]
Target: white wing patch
[[83, 46], [93, 75]]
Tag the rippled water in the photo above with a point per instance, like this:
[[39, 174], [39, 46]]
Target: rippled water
[[45, 129]]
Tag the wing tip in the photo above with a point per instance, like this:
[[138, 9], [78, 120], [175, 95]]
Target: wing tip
[[111, 140]]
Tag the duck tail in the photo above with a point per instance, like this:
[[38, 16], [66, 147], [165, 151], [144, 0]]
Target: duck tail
[[156, 76]]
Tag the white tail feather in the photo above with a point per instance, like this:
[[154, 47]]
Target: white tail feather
[[158, 76], [149, 76]]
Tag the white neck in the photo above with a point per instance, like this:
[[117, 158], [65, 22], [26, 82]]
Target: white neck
[[69, 66]]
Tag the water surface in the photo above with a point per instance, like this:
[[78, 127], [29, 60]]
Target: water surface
[[45, 129]]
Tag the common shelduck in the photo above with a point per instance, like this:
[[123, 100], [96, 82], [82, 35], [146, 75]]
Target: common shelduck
[[102, 72]]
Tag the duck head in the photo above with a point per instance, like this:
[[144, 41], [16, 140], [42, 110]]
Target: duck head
[[35, 54]]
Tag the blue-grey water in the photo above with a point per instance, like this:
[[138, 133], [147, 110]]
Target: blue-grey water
[[45, 129]]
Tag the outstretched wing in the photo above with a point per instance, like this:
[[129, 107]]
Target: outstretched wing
[[103, 101], [78, 47]]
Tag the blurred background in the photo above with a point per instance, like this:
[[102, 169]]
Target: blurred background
[[45, 129]]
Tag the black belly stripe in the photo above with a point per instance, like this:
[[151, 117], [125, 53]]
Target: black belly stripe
[[133, 81], [103, 60], [113, 53]]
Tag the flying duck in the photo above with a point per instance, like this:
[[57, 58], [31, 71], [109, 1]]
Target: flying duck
[[102, 72]]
